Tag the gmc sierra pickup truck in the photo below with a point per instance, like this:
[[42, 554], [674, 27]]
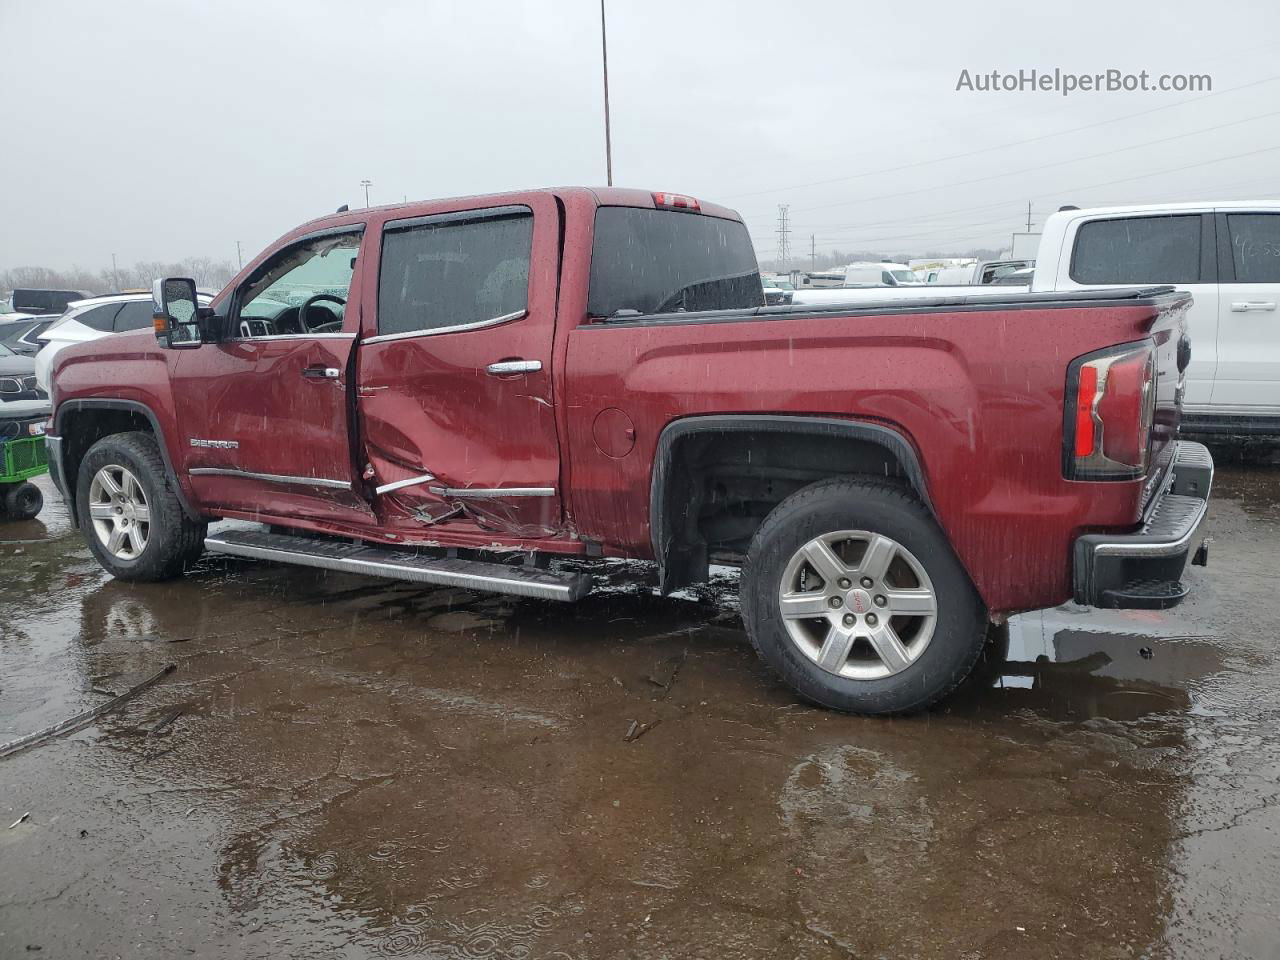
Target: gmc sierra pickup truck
[[492, 392]]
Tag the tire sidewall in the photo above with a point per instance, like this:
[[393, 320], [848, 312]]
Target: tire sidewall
[[958, 630], [16, 508]]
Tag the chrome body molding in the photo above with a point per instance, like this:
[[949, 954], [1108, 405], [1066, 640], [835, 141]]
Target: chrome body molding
[[479, 325], [492, 492], [401, 484], [269, 477]]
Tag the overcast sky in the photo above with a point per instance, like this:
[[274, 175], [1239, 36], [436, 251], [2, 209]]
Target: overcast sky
[[160, 129]]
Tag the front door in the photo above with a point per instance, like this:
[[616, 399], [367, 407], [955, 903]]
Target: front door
[[455, 379], [1248, 380], [264, 413]]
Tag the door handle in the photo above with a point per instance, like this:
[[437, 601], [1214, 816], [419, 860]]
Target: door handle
[[504, 367], [321, 373], [1244, 306]]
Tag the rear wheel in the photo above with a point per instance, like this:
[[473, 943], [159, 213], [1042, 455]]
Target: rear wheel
[[129, 512], [22, 501], [853, 595]]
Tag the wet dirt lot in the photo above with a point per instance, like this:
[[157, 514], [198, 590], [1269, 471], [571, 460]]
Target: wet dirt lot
[[343, 767]]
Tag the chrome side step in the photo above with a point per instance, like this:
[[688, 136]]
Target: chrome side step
[[401, 565]]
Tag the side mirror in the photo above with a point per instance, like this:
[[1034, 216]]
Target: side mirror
[[175, 313]]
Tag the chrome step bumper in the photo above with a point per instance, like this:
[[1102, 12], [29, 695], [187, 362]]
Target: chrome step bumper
[[396, 564], [1143, 569]]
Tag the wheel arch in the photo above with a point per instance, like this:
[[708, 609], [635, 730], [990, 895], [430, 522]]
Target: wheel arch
[[80, 423], [786, 452]]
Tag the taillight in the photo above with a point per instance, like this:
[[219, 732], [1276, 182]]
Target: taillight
[[676, 201], [1111, 399]]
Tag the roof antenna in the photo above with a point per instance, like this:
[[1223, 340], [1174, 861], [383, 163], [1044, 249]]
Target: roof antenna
[[342, 209]]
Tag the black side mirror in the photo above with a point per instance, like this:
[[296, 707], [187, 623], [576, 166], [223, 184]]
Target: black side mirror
[[175, 312]]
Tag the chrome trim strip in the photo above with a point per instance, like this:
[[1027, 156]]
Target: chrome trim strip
[[491, 492], [400, 484], [293, 336], [479, 325], [269, 477]]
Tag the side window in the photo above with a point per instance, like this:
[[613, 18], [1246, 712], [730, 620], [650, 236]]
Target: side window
[[455, 270], [1138, 250], [315, 274], [1255, 246], [887, 278], [134, 315], [100, 318]]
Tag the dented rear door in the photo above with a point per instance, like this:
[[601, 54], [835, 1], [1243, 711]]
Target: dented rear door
[[454, 386]]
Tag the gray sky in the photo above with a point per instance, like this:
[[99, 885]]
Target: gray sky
[[159, 129]]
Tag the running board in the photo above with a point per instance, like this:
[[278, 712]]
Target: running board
[[395, 564]]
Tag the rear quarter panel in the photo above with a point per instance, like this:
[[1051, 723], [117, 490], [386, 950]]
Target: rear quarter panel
[[978, 392]]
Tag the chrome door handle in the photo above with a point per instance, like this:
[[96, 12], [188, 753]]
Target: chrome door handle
[[504, 367], [1244, 306], [321, 373]]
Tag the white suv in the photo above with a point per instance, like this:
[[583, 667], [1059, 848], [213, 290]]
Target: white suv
[[93, 319]]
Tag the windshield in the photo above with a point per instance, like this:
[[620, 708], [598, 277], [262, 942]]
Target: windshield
[[904, 276]]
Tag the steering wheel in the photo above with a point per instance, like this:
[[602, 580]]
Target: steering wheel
[[334, 325]]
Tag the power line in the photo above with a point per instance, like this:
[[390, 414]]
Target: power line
[[1006, 146]]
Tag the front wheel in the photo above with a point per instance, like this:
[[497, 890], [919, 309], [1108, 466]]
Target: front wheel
[[129, 513], [853, 595]]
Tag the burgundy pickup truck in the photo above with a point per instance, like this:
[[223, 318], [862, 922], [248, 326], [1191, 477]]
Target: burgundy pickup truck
[[491, 392]]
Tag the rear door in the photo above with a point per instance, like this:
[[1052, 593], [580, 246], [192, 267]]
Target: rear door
[[454, 369], [1248, 379], [264, 413], [1147, 249]]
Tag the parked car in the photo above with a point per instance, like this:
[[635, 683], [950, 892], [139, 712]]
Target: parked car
[[542, 377], [17, 377], [20, 336], [776, 292], [37, 302], [93, 319]]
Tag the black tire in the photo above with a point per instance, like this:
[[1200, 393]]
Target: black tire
[[960, 628], [173, 542], [23, 501]]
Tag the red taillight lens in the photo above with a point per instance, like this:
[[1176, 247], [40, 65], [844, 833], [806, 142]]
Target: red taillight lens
[[1112, 409], [676, 201]]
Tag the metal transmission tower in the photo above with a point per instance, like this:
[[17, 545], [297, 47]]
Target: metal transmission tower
[[784, 238]]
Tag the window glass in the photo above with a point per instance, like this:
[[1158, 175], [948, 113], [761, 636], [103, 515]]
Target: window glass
[[134, 315], [451, 271], [1255, 246], [100, 318], [271, 299], [662, 261], [1138, 250]]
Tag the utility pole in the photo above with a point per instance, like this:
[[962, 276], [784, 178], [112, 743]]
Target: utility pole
[[115, 274], [813, 253], [608, 135], [366, 184], [1028, 216], [239, 258], [784, 238]]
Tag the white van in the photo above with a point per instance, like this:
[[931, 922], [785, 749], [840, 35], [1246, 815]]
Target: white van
[[880, 275]]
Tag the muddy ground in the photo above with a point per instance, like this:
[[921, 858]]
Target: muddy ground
[[343, 767]]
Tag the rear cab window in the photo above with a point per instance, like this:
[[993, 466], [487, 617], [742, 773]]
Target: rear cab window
[[454, 271], [666, 261], [1138, 250]]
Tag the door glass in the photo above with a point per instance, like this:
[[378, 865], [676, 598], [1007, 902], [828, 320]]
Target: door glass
[[134, 315], [450, 272], [272, 299], [100, 318], [661, 261], [1255, 246], [1138, 250]]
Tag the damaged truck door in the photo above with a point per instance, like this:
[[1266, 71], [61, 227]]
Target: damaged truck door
[[282, 358], [454, 370]]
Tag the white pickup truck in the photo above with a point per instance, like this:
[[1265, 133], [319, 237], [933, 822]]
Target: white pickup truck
[[1226, 254]]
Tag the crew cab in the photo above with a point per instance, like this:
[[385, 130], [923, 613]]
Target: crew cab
[[496, 392]]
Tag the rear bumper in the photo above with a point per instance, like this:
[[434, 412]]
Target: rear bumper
[[1144, 569]]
